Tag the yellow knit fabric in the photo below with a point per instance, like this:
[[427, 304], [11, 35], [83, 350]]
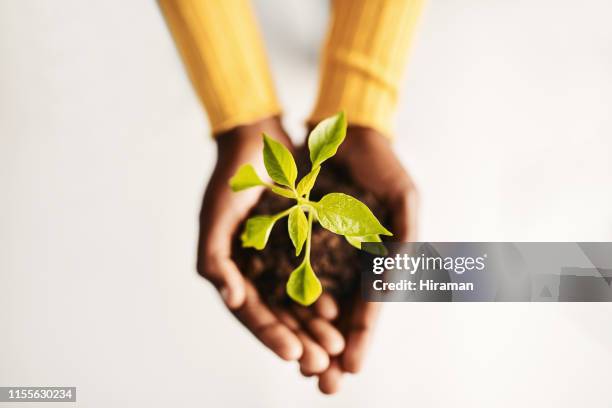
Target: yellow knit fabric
[[361, 65], [224, 55], [363, 60]]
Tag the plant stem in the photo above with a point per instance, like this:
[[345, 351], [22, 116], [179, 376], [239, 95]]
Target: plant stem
[[310, 218], [283, 213], [308, 238]]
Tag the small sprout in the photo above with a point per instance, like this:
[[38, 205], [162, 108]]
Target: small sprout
[[337, 212]]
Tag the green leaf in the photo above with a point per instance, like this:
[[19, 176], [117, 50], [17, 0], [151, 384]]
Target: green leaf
[[303, 285], [245, 177], [279, 162], [376, 247], [257, 231], [298, 228], [307, 182], [345, 215], [283, 192], [325, 138], [356, 241]]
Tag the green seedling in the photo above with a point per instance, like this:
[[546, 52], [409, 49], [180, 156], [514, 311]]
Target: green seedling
[[337, 212]]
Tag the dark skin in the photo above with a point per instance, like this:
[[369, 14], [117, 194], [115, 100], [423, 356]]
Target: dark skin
[[326, 339]]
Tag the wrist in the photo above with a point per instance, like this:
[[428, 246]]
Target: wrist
[[247, 138]]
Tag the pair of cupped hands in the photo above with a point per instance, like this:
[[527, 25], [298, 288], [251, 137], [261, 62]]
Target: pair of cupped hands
[[328, 339]]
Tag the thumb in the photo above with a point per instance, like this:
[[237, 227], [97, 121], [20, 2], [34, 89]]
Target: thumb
[[224, 274]]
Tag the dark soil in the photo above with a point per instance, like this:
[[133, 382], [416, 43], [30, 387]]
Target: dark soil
[[334, 260]]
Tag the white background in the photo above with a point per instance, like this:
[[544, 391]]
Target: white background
[[504, 122]]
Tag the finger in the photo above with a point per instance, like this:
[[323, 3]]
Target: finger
[[326, 307], [329, 381], [260, 320], [314, 359], [359, 335], [214, 249], [325, 333], [405, 217]]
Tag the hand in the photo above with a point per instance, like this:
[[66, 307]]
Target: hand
[[222, 212], [370, 159], [386, 178], [313, 341]]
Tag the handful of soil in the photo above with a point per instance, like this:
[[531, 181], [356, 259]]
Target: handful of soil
[[333, 259]]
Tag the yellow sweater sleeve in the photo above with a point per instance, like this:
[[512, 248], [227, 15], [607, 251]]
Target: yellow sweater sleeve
[[224, 55], [363, 60]]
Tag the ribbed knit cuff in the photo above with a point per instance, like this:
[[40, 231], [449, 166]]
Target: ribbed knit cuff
[[224, 55], [363, 61]]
